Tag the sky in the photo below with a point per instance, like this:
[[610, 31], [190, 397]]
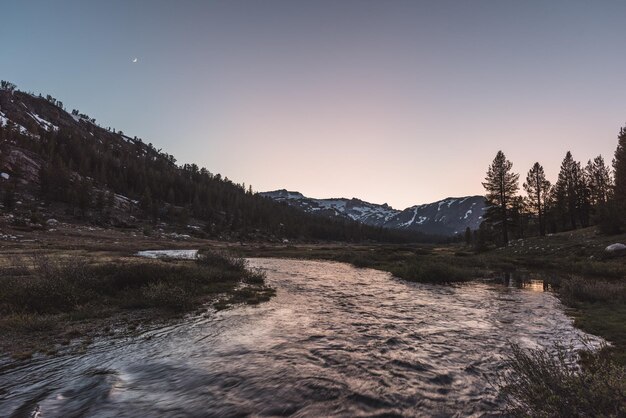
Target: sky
[[390, 101]]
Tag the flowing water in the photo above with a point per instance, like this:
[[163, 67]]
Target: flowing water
[[336, 340]]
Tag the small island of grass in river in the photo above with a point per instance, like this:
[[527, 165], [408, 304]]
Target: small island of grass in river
[[49, 300]]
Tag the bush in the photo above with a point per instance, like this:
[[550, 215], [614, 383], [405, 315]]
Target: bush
[[53, 286], [361, 261], [549, 383], [220, 260], [28, 322], [610, 219], [431, 271], [163, 295], [577, 289], [42, 285]]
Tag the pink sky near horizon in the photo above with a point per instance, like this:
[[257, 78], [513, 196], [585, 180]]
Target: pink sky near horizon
[[388, 101]]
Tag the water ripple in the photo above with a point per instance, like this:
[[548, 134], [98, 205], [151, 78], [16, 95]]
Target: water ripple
[[335, 341]]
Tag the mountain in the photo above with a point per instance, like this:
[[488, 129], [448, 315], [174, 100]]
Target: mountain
[[354, 209], [63, 165], [445, 217]]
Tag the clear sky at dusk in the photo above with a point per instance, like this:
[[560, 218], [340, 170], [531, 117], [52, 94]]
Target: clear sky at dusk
[[402, 102]]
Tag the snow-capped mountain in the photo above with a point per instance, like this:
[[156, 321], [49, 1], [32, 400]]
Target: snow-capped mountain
[[445, 217], [355, 209]]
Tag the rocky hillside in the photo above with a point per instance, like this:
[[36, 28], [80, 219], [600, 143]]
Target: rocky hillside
[[445, 217]]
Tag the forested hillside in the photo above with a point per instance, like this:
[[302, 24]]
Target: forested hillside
[[51, 158]]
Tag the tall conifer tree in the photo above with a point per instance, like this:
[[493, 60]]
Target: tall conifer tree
[[619, 169], [501, 185], [599, 179], [565, 192], [537, 187]]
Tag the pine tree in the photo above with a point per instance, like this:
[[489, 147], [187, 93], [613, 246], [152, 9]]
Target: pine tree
[[583, 196], [619, 170], [599, 181], [518, 216], [501, 186], [537, 187], [83, 193], [146, 202], [565, 189]]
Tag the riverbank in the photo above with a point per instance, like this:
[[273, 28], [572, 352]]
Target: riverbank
[[335, 341], [127, 295], [55, 301], [589, 281]]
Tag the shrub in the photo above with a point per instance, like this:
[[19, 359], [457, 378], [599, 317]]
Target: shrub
[[28, 322], [53, 286], [216, 259], [610, 219], [577, 289], [42, 285], [361, 261], [163, 295], [431, 271], [549, 383]]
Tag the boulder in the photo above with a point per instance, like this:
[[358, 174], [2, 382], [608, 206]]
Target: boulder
[[615, 248]]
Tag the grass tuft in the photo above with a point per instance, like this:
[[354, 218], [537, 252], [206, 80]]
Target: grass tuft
[[44, 286], [578, 289], [549, 383], [431, 271]]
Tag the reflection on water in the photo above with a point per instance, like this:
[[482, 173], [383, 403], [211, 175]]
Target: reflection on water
[[535, 285], [534, 282], [335, 341]]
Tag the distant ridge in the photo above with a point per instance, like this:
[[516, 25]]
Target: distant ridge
[[446, 217]]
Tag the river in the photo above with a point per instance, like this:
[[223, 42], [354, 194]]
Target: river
[[335, 341]]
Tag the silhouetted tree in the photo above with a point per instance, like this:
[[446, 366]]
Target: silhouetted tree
[[537, 187], [564, 192], [599, 181], [501, 186], [619, 169]]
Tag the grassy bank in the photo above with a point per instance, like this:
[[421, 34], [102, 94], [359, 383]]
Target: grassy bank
[[419, 263], [48, 301]]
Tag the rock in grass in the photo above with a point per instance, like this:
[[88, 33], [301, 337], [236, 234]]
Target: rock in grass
[[615, 248]]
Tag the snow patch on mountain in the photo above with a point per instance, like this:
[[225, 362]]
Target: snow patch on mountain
[[43, 123], [443, 217], [4, 121]]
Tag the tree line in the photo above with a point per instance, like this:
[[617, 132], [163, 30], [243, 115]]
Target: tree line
[[593, 194]]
